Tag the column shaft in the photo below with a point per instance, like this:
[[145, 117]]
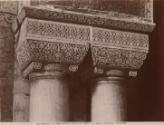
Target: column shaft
[[108, 101], [49, 97]]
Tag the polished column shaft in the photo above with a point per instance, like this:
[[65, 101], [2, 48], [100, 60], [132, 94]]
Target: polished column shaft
[[108, 101], [49, 96]]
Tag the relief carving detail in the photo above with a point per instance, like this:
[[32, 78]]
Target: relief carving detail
[[118, 49], [47, 41], [66, 43]]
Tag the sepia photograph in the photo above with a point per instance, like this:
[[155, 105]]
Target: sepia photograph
[[81, 62]]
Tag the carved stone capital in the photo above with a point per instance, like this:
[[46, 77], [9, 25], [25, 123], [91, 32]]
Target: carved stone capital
[[62, 42], [51, 42], [118, 49]]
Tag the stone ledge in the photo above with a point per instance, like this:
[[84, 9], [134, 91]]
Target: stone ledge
[[92, 19]]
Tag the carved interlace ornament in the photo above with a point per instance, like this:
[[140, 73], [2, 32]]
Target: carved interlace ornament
[[47, 41], [62, 42], [118, 49]]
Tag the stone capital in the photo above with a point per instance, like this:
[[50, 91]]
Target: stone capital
[[51, 42], [55, 36], [115, 49], [118, 49]]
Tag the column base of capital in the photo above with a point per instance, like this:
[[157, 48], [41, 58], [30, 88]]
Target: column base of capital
[[50, 71]]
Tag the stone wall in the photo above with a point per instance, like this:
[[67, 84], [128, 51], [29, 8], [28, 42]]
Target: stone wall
[[7, 14]]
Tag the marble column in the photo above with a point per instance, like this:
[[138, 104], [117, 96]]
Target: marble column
[[108, 101], [46, 60], [49, 94], [115, 54]]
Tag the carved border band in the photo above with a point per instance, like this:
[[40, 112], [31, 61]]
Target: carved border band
[[50, 31], [120, 39], [107, 57]]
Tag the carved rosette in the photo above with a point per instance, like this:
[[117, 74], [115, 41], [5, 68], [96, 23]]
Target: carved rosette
[[118, 49], [51, 42]]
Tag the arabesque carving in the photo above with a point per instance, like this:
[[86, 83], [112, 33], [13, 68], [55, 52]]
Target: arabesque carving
[[48, 41], [118, 49]]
